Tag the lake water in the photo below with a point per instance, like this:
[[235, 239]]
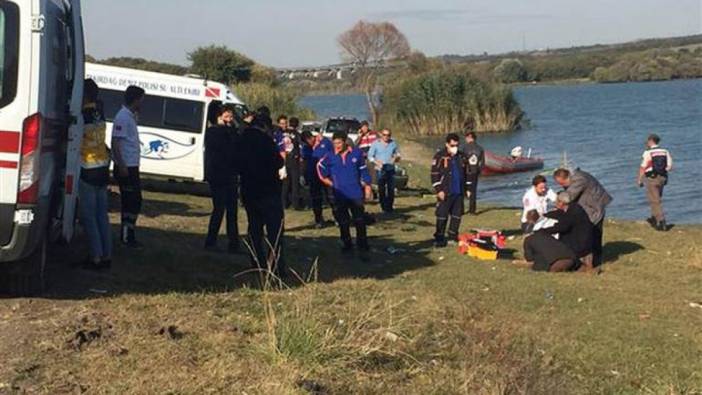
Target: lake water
[[602, 129]]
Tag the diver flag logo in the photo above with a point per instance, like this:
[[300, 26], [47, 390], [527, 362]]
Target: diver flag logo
[[212, 92]]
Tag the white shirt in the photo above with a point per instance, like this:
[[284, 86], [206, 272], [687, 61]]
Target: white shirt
[[534, 201], [126, 134]]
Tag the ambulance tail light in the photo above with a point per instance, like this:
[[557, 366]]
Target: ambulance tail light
[[28, 192]]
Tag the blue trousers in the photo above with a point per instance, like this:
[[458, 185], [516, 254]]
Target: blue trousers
[[93, 215]]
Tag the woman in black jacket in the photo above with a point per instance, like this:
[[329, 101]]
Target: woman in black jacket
[[220, 174]]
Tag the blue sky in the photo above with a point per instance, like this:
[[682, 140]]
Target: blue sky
[[284, 33]]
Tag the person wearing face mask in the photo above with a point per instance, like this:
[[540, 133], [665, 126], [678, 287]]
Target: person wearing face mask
[[448, 177], [126, 153]]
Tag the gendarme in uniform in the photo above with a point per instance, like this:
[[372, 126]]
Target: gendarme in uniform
[[655, 166]]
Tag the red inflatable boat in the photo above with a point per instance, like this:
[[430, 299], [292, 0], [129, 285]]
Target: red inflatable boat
[[496, 164]]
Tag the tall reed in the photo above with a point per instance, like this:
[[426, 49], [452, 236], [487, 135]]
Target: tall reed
[[439, 101]]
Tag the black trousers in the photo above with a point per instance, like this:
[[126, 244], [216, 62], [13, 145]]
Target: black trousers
[[291, 185], [224, 201], [131, 200], [597, 236], [318, 193], [266, 232], [472, 187], [449, 212], [347, 211], [386, 189]]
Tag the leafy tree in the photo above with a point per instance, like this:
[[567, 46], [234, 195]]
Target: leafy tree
[[219, 63], [145, 64], [510, 71]]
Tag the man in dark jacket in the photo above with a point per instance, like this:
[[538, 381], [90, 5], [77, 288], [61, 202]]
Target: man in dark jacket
[[220, 140], [585, 190], [314, 148], [475, 156], [546, 254], [259, 162], [448, 178], [573, 228]]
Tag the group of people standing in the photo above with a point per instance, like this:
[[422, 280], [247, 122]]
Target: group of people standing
[[268, 164]]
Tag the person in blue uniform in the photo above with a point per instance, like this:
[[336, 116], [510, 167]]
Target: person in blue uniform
[[448, 177], [344, 170], [314, 148]]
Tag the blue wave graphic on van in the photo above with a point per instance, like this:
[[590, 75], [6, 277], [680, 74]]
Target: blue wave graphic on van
[[158, 147]]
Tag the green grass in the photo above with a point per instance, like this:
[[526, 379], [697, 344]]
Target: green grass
[[423, 321]]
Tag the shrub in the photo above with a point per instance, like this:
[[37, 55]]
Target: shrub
[[439, 101], [280, 100], [510, 71]]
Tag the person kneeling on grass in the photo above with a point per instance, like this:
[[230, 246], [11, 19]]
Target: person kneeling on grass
[[545, 253], [345, 171]]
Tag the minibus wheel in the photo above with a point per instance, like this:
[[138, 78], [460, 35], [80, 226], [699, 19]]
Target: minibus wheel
[[26, 277]]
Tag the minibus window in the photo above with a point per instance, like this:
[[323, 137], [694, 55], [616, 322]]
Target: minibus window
[[184, 115], [9, 52]]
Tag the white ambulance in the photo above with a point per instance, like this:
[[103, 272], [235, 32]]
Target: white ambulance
[[172, 119], [41, 91]]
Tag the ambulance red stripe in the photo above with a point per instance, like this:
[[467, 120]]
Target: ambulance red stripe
[[6, 164], [9, 142]]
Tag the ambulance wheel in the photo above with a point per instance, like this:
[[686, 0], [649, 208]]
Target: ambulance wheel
[[26, 277]]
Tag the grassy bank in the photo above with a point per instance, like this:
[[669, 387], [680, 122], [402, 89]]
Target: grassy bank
[[173, 319]]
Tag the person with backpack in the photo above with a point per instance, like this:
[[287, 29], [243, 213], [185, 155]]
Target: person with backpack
[[656, 165]]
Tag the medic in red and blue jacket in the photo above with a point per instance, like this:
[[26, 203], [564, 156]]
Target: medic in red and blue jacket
[[345, 171]]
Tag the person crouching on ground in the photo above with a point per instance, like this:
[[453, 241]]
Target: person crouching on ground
[[345, 171], [314, 148], [448, 177], [220, 174], [536, 198], [585, 190], [94, 177], [573, 228], [542, 252]]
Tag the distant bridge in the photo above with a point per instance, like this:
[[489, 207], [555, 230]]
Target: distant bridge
[[337, 71]]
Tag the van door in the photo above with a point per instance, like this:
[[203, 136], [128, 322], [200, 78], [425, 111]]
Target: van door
[[14, 107]]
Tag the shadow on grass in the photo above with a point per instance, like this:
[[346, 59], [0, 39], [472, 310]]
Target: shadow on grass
[[175, 262], [617, 249]]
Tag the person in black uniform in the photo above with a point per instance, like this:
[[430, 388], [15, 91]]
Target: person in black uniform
[[448, 177], [258, 162], [220, 174], [475, 156], [291, 150]]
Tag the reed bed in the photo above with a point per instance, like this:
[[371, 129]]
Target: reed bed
[[439, 101]]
